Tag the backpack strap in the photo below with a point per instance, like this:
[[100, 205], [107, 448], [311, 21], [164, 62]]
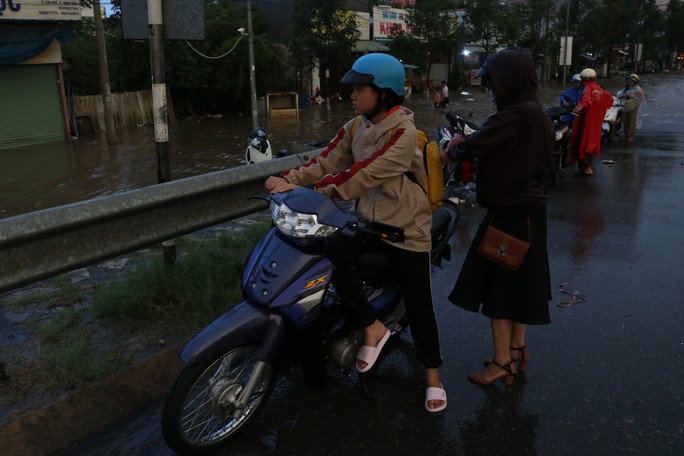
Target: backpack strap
[[413, 178], [354, 125], [425, 160]]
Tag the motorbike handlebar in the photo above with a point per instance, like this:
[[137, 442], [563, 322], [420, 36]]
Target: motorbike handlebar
[[382, 230]]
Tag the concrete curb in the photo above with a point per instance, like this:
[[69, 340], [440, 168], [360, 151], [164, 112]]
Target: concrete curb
[[92, 409]]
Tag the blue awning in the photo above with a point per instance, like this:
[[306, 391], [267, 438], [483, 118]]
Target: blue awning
[[19, 43]]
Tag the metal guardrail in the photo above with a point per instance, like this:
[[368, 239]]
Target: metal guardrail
[[42, 244]]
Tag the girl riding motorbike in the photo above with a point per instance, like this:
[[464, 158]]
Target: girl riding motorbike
[[378, 166]]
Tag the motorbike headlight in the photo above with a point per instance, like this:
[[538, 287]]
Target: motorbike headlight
[[299, 224]]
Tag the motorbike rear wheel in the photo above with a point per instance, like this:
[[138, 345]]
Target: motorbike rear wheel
[[199, 413]]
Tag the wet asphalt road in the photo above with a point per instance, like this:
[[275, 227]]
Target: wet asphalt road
[[605, 378]]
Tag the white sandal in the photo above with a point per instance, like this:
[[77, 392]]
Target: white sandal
[[434, 393]]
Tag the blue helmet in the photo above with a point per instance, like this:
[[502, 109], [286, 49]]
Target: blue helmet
[[382, 70]]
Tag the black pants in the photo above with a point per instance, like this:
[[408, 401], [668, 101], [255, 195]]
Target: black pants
[[413, 269]]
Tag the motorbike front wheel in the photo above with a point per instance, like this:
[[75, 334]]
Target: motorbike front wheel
[[199, 414]]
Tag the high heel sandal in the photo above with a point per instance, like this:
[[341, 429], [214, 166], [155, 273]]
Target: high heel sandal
[[522, 358], [507, 373]]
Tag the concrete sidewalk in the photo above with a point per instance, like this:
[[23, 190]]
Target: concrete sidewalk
[[76, 415]]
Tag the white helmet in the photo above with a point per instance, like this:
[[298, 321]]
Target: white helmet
[[588, 73], [576, 78]]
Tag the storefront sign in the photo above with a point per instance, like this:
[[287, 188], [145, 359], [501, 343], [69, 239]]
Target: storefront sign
[[40, 10], [389, 22], [397, 2]]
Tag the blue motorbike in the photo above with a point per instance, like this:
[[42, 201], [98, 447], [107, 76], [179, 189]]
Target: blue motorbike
[[290, 315]]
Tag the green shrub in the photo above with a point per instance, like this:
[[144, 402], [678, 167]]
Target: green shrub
[[204, 282]]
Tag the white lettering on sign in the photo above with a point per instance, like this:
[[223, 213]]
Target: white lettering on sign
[[50, 10]]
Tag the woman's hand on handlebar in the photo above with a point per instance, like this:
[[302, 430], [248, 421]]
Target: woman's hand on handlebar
[[278, 185]]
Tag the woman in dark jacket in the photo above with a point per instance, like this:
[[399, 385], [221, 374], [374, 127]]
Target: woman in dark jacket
[[513, 148]]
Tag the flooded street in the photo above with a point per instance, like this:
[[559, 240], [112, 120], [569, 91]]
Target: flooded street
[[47, 175], [603, 378]]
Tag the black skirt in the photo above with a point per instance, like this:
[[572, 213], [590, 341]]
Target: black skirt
[[523, 295]]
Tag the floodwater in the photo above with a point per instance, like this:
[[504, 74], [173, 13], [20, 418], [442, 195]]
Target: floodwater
[[54, 174]]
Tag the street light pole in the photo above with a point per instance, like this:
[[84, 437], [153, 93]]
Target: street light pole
[[252, 81]]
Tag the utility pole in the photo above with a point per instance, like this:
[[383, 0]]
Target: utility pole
[[110, 127], [252, 81], [565, 46], [159, 105]]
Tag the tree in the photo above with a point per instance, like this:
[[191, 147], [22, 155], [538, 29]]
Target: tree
[[674, 32], [198, 85], [482, 17], [433, 30], [323, 34], [653, 41]]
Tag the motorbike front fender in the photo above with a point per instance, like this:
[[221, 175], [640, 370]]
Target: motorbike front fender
[[243, 324]]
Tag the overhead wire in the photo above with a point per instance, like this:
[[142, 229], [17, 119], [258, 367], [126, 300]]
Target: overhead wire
[[218, 56]]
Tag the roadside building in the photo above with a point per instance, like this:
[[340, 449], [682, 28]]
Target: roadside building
[[32, 95]]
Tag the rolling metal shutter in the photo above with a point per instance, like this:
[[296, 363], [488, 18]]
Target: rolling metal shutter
[[30, 107]]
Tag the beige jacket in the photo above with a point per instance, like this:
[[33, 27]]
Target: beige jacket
[[370, 167]]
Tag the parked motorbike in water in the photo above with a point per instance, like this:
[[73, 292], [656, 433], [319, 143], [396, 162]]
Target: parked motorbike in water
[[319, 100], [612, 121], [463, 171], [258, 148], [231, 366], [563, 130]]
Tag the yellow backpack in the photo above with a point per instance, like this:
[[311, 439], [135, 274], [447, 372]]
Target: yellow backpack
[[432, 161], [434, 177]]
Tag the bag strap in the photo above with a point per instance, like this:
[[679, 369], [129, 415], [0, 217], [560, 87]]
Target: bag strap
[[529, 229], [412, 177], [354, 125], [425, 160]]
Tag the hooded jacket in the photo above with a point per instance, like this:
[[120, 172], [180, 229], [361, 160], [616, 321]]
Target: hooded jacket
[[513, 146], [369, 166]]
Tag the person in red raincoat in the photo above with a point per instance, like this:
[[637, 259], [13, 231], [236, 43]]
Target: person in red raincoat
[[586, 136]]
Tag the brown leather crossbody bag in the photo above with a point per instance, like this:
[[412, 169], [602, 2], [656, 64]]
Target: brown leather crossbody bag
[[502, 248]]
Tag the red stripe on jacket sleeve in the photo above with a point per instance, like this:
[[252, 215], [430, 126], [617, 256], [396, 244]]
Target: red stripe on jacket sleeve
[[343, 176], [331, 145]]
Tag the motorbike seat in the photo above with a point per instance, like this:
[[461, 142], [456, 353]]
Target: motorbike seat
[[555, 112], [444, 222]]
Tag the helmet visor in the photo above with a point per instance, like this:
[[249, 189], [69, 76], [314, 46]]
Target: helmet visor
[[354, 78]]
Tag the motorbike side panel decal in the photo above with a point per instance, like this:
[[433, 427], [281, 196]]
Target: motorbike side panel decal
[[309, 282], [317, 281]]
